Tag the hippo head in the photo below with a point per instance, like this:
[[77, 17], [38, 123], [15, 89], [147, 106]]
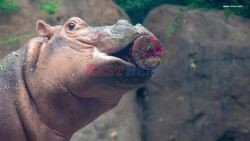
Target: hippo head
[[90, 62], [73, 62]]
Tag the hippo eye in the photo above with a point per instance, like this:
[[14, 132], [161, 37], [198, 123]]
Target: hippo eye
[[71, 26]]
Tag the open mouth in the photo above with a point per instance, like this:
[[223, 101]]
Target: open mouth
[[145, 52], [125, 54]]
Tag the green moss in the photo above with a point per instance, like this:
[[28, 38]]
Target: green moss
[[138, 9], [12, 39], [174, 24], [50, 7], [227, 13], [7, 6]]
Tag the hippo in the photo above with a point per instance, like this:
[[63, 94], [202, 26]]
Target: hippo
[[70, 74]]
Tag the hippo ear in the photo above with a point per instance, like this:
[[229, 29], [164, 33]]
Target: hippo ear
[[44, 29]]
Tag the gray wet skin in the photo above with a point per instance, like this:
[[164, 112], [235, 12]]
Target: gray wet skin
[[45, 90], [118, 35]]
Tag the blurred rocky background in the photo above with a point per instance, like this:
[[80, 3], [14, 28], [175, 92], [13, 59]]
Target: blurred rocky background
[[201, 91]]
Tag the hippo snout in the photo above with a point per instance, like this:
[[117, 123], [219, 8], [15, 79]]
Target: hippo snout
[[131, 48], [133, 44]]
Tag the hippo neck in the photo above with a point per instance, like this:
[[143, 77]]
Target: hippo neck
[[56, 110], [13, 83], [9, 79], [10, 68]]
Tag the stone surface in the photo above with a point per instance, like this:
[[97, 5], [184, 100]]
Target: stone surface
[[201, 91]]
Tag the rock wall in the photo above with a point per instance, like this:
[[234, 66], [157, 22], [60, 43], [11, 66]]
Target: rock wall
[[201, 92]]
